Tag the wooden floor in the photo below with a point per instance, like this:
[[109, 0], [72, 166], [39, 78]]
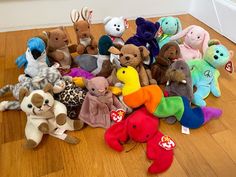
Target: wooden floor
[[209, 151]]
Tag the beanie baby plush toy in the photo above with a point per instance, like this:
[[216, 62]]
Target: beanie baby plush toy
[[141, 126], [115, 28], [205, 71], [145, 36], [169, 27], [195, 42], [152, 97]]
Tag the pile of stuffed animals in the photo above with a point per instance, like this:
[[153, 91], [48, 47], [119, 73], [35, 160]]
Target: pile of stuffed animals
[[114, 84]]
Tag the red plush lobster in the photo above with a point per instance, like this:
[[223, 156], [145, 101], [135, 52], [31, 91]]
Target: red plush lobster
[[141, 126]]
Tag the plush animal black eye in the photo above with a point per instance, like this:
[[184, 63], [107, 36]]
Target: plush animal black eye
[[191, 33], [123, 72], [121, 54], [217, 51], [222, 54], [135, 55], [46, 101], [181, 68], [29, 106], [198, 37], [93, 89], [134, 126], [114, 24], [56, 38], [77, 30], [88, 26], [175, 24], [166, 23], [118, 25]]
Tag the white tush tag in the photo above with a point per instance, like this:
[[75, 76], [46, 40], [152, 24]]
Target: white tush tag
[[185, 130], [59, 131]]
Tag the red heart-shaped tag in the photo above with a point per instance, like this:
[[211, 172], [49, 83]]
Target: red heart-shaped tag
[[167, 142], [229, 67], [117, 115]]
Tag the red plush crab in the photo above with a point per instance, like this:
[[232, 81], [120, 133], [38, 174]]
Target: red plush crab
[[142, 127]]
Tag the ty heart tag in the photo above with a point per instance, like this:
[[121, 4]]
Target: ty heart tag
[[117, 115], [229, 67], [167, 143]]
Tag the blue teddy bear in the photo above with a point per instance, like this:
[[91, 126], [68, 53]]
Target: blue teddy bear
[[170, 26], [205, 73], [34, 58]]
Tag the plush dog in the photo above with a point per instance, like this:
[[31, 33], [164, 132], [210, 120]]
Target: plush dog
[[168, 53], [85, 40], [179, 82], [45, 116], [169, 27], [145, 36], [131, 55], [115, 28], [205, 71], [195, 42], [34, 58], [142, 127], [98, 103]]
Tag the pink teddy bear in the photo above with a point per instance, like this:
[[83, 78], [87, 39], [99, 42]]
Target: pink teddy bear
[[195, 42]]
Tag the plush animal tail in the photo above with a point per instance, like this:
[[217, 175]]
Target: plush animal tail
[[5, 89], [195, 117], [9, 105]]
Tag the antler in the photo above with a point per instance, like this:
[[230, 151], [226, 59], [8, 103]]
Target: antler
[[74, 15]]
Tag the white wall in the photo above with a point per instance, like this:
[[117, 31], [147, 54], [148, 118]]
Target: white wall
[[26, 14]]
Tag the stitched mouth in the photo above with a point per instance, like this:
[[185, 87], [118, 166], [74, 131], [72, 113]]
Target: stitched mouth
[[34, 112]]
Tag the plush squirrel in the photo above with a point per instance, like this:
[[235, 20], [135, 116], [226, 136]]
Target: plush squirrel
[[152, 98], [205, 71], [45, 116], [34, 58], [85, 40], [141, 126]]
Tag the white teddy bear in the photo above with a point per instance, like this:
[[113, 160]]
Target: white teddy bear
[[115, 28]]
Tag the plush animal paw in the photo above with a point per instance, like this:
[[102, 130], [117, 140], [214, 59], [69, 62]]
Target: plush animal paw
[[3, 105], [92, 50], [30, 144], [71, 140], [198, 101], [171, 120], [59, 56], [79, 81], [43, 127], [61, 119], [80, 49], [78, 124]]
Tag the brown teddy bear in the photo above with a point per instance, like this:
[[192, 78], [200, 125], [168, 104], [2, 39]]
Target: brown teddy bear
[[85, 40], [131, 55], [58, 49], [168, 53]]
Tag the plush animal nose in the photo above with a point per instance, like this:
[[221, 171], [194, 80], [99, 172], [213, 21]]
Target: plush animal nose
[[216, 57], [36, 53], [117, 29], [127, 58], [85, 35], [37, 100], [66, 40], [101, 90]]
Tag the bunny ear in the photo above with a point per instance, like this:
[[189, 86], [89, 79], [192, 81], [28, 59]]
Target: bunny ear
[[74, 15], [178, 25], [126, 23], [86, 14], [205, 42], [182, 33]]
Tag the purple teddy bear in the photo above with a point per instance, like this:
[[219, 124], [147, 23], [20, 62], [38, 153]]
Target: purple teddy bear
[[145, 36]]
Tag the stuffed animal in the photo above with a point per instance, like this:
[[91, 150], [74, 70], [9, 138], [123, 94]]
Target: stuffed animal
[[34, 58], [169, 27], [145, 36], [131, 55], [168, 53], [152, 98], [98, 103], [85, 40], [99, 65], [115, 28], [45, 75], [45, 116], [142, 127], [59, 50], [195, 41], [205, 71], [179, 83]]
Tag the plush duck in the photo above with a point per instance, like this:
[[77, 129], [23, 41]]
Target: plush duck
[[152, 97]]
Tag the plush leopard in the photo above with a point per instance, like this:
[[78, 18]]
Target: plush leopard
[[72, 97]]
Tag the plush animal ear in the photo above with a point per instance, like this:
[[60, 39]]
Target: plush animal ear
[[157, 25], [74, 15], [205, 41], [161, 20], [114, 50], [86, 14], [107, 19], [140, 21], [182, 33], [46, 34], [213, 42], [23, 93], [48, 88], [125, 22], [66, 32], [179, 26], [144, 52]]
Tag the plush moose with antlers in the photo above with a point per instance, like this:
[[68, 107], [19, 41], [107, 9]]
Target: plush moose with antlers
[[142, 127], [85, 40]]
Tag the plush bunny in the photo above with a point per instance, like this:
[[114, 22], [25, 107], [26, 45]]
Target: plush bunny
[[115, 28], [98, 103], [142, 127], [195, 42], [205, 71], [45, 116], [85, 40], [169, 26]]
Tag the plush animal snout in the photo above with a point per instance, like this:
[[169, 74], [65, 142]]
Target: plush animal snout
[[117, 29], [36, 53], [127, 58], [37, 100], [216, 57]]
